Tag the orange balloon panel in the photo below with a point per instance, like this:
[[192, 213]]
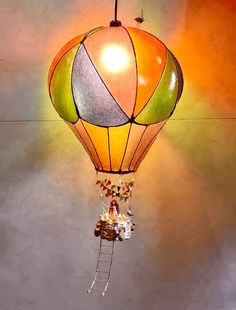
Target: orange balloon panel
[[148, 137], [135, 135], [99, 138], [112, 54], [117, 142], [150, 56]]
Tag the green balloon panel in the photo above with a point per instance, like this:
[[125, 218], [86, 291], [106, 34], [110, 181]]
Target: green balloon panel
[[61, 87], [163, 100]]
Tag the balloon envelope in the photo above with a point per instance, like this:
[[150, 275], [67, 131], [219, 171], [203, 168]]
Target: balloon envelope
[[115, 87]]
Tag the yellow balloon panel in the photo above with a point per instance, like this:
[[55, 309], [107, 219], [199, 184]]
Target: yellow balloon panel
[[82, 134], [99, 138], [79, 137], [135, 135], [117, 141]]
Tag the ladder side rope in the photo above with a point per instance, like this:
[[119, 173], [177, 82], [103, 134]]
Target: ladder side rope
[[98, 278]]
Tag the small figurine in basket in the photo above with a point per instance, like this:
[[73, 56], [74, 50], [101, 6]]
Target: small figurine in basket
[[114, 210]]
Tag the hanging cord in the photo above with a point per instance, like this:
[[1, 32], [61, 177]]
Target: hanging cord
[[116, 6], [115, 22]]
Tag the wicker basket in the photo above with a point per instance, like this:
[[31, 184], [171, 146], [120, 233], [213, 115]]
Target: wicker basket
[[108, 231]]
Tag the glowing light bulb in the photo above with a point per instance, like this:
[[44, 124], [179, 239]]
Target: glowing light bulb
[[115, 58]]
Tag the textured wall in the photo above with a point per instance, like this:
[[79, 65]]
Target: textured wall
[[182, 255]]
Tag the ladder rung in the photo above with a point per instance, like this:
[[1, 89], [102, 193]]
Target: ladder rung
[[108, 246], [95, 289], [104, 280], [102, 271], [106, 253], [105, 261]]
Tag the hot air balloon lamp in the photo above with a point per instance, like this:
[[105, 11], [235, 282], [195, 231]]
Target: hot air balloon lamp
[[115, 87]]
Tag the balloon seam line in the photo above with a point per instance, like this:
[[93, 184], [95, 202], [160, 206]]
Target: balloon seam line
[[122, 124], [127, 142], [116, 172], [136, 66], [72, 73], [109, 147]]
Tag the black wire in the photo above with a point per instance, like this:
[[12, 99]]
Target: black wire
[[116, 5], [171, 119], [115, 22]]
